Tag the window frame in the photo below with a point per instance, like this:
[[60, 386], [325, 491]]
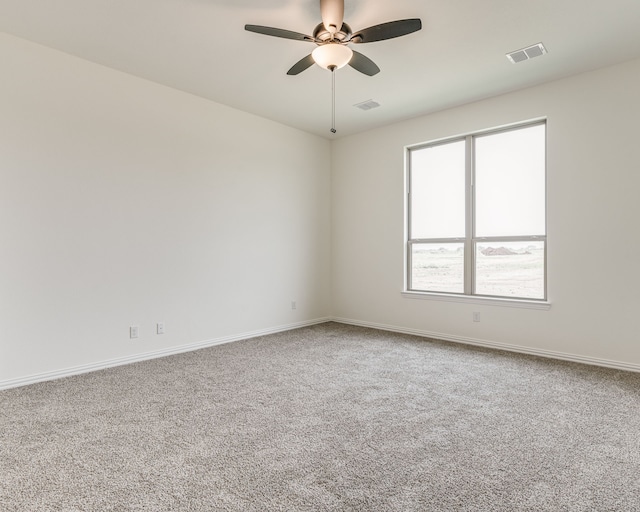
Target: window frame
[[470, 240]]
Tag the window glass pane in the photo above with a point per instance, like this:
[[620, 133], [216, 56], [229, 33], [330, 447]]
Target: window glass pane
[[437, 267], [510, 269], [438, 191], [510, 183]]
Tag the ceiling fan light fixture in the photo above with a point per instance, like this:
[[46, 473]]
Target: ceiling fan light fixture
[[332, 55]]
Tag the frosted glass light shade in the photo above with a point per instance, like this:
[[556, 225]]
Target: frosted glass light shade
[[332, 55]]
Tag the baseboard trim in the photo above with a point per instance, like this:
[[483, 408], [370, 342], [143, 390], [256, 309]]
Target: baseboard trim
[[550, 354], [145, 356]]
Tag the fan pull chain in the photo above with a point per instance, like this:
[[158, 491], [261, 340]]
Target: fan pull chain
[[333, 100]]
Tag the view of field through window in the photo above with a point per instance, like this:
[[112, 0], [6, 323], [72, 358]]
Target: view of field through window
[[513, 270]]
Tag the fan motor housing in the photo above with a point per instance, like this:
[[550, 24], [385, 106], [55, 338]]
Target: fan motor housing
[[322, 35]]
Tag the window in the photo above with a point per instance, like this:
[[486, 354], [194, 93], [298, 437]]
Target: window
[[476, 215]]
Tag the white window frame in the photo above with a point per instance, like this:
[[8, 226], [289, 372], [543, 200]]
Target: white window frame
[[470, 240]]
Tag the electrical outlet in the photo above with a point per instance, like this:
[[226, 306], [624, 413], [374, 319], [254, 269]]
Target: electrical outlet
[[160, 328], [476, 316], [293, 304], [133, 331]]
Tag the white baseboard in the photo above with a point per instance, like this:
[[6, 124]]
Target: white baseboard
[[110, 363], [145, 356], [618, 365]]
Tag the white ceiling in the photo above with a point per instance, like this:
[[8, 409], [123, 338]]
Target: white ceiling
[[201, 47]]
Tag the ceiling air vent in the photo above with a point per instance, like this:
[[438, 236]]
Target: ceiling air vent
[[527, 53], [367, 105]]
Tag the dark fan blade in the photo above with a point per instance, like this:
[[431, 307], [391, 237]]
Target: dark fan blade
[[301, 65], [387, 30], [363, 64], [278, 32]]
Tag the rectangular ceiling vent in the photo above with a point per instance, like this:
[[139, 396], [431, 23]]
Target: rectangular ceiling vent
[[367, 105], [527, 53]]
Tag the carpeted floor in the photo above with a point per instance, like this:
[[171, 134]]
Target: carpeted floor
[[329, 417]]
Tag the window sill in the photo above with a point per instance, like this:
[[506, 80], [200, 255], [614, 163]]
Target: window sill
[[486, 301]]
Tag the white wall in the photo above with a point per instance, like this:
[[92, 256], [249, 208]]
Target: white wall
[[593, 215], [123, 202]]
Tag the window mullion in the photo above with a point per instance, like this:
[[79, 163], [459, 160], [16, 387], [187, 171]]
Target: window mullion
[[469, 223], [408, 274]]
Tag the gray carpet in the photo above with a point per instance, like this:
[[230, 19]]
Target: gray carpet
[[329, 417]]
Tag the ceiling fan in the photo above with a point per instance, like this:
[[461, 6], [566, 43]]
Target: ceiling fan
[[333, 36]]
